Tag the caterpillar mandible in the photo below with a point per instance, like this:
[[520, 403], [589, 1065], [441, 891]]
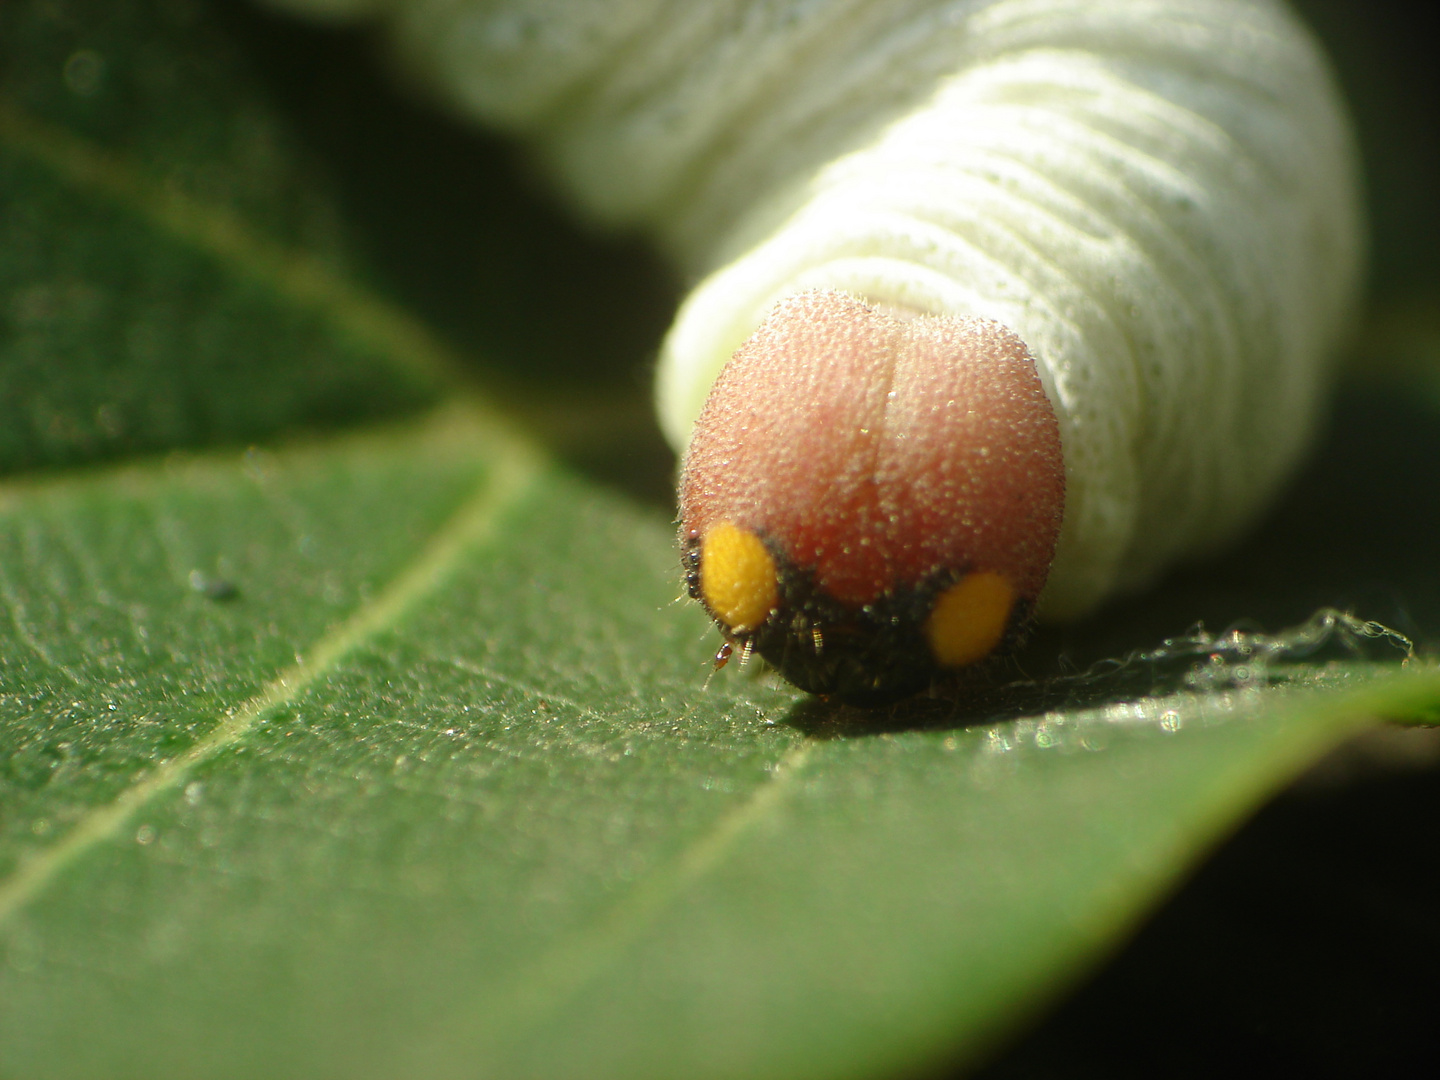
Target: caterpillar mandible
[[1027, 299]]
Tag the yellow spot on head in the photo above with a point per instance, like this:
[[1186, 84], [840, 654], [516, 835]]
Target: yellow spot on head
[[737, 577], [969, 619]]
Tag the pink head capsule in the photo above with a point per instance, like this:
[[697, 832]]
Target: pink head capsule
[[870, 500]]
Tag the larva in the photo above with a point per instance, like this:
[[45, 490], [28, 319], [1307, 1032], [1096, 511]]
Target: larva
[[1145, 211]]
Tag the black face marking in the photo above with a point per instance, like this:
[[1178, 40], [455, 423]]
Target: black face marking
[[868, 656], [690, 560]]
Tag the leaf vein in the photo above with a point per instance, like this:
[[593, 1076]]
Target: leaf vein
[[515, 470], [292, 272], [509, 1014]]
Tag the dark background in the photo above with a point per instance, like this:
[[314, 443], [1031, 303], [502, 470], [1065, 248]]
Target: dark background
[[1310, 943]]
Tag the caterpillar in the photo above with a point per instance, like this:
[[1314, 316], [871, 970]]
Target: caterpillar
[[1002, 307]]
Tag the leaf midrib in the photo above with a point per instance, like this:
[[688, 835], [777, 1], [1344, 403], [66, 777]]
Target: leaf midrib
[[514, 470]]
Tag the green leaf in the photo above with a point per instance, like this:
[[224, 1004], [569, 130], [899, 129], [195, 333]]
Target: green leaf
[[153, 290], [387, 749], [442, 785]]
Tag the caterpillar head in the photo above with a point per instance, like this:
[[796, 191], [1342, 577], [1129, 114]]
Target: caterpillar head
[[870, 500]]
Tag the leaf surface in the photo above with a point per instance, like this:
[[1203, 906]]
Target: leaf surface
[[440, 791], [168, 268]]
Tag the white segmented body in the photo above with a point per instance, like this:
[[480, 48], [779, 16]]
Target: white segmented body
[[1158, 196]]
